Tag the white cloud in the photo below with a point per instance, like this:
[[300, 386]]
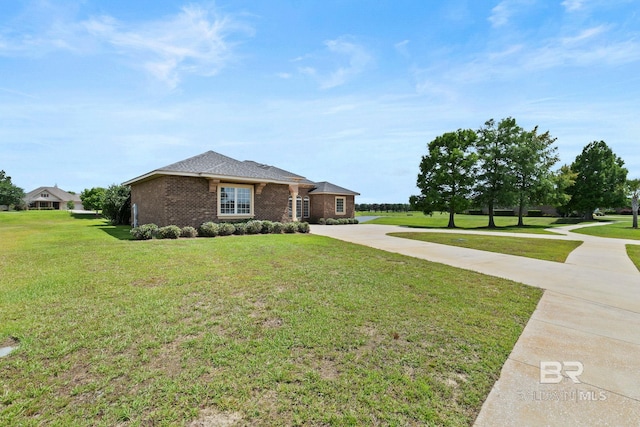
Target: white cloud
[[500, 14], [346, 60], [573, 5], [402, 48], [195, 41]]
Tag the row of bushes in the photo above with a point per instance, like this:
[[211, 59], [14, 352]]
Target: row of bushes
[[341, 221], [213, 229]]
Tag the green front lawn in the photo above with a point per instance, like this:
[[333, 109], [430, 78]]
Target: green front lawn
[[634, 253], [267, 329], [544, 249], [619, 229], [503, 223]]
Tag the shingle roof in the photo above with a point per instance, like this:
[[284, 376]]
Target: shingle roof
[[329, 188], [56, 192], [216, 165], [212, 164]]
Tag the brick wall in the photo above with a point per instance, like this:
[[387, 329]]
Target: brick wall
[[182, 201], [324, 206]]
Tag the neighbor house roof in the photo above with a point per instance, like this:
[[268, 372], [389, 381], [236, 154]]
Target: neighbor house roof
[[57, 193], [218, 166]]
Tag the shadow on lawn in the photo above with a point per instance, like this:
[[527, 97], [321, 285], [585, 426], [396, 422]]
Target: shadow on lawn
[[120, 232], [559, 221]]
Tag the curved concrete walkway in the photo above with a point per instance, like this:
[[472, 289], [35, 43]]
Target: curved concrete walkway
[[588, 318]]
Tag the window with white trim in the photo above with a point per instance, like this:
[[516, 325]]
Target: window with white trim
[[341, 205], [298, 207], [305, 207], [235, 199]]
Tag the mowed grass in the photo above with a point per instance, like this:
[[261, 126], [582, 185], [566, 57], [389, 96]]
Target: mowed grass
[[544, 249], [634, 253], [620, 228], [535, 225], [263, 330]]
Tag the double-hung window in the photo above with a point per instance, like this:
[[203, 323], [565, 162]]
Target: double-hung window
[[235, 200], [341, 206]]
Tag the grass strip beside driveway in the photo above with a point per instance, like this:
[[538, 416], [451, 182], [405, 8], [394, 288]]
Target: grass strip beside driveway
[[634, 253], [266, 329], [544, 249]]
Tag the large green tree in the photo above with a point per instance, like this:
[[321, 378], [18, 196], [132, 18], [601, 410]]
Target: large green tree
[[601, 180], [92, 199], [496, 180], [532, 158], [116, 206], [563, 179], [446, 175], [10, 194]]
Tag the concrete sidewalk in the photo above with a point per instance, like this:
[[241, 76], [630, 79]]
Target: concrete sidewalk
[[588, 318]]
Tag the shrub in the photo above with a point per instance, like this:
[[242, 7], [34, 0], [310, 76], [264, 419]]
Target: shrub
[[332, 221], [277, 228], [322, 221], [208, 229], [226, 229], [241, 228], [267, 227], [144, 232], [116, 204], [188, 232], [254, 226], [290, 227], [169, 232], [343, 221], [303, 227]]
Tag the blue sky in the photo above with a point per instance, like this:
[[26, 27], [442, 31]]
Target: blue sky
[[94, 93]]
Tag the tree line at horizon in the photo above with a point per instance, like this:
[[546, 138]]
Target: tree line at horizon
[[503, 165]]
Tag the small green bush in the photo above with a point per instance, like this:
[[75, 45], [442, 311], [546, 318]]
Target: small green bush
[[322, 221], [277, 228], [144, 232], [254, 226], [343, 221], [332, 221], [226, 229], [241, 229], [290, 227], [188, 232], [354, 221], [267, 227], [169, 232], [208, 229], [303, 227]]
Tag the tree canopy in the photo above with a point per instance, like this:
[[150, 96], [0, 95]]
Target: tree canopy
[[532, 158], [600, 181], [92, 199], [10, 194], [446, 177], [116, 206], [496, 181]]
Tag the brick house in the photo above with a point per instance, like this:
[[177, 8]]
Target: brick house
[[214, 187]]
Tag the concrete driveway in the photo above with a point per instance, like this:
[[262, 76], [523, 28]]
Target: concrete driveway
[[577, 361]]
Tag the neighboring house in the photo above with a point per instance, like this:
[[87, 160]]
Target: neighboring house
[[214, 187], [52, 198]]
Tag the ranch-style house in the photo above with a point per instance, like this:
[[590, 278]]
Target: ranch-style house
[[214, 187]]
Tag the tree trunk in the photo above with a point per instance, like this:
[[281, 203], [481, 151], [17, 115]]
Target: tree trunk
[[492, 223], [521, 214], [634, 208], [452, 213]]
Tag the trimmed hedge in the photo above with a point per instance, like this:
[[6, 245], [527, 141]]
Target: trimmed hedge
[[144, 232], [213, 229]]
